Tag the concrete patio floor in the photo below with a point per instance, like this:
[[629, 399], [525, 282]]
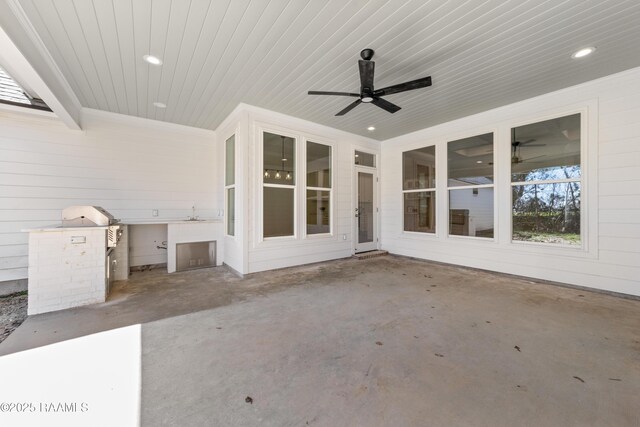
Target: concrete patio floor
[[384, 341]]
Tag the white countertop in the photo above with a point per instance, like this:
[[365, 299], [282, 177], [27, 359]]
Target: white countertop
[[167, 221], [59, 227]]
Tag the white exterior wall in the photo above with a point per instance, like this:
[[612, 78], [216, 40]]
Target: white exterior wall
[[610, 259], [288, 251], [130, 166], [127, 165], [235, 247]]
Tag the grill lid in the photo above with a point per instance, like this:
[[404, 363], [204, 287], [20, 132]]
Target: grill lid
[[86, 216]]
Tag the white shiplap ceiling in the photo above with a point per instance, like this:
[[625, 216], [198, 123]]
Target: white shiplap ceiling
[[216, 54]]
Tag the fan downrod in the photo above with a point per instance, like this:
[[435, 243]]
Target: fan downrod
[[367, 54]]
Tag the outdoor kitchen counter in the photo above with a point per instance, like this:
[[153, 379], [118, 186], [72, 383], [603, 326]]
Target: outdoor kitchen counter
[[185, 231], [168, 221], [59, 228]]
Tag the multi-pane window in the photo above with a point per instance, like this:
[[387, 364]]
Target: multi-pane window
[[230, 184], [279, 185], [470, 185], [318, 188], [365, 159], [419, 189], [546, 181]]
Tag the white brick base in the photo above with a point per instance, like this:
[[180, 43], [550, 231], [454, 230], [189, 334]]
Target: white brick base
[[63, 274]]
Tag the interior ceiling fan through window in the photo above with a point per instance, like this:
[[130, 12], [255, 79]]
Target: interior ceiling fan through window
[[368, 94], [516, 145]]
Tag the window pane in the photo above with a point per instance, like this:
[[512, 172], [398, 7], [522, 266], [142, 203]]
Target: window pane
[[365, 159], [278, 214], [231, 211], [470, 161], [419, 168], [318, 211], [548, 213], [318, 165], [279, 159], [420, 212], [546, 150], [230, 160], [471, 212]]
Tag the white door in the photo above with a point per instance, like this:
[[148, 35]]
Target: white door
[[365, 215]]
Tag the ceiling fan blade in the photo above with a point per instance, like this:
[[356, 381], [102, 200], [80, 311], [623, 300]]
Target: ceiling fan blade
[[402, 87], [366, 74], [349, 107], [385, 105], [320, 92]]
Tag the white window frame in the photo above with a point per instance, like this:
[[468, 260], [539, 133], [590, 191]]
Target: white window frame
[[331, 232], [449, 188], [421, 190], [588, 193], [260, 205], [228, 187]]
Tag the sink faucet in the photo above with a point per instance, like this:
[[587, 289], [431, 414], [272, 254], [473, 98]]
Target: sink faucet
[[193, 216]]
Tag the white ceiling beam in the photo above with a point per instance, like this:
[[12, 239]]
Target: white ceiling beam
[[24, 56]]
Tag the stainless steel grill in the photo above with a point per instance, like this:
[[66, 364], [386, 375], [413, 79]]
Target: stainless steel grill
[[92, 216], [86, 216]]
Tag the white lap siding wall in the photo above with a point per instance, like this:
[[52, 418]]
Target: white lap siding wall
[[127, 165], [611, 195]]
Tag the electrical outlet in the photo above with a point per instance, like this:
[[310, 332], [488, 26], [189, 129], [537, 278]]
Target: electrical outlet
[[154, 212], [344, 237]]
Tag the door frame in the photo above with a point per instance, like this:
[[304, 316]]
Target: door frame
[[357, 248]]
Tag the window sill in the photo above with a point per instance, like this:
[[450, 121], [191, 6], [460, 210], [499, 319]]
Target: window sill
[[455, 237], [418, 235]]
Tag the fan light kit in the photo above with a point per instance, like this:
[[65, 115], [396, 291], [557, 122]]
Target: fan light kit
[[153, 60], [367, 92], [583, 52]]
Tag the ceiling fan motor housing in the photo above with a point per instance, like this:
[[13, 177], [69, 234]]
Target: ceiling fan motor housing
[[367, 54]]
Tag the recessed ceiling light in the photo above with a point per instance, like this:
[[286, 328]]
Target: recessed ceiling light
[[478, 161], [583, 52], [160, 104], [153, 60], [371, 128]]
